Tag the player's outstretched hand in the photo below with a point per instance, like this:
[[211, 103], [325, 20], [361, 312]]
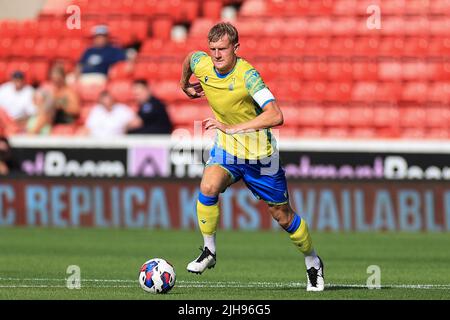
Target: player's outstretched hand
[[193, 90]]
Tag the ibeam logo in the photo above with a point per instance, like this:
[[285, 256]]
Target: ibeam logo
[[56, 164]]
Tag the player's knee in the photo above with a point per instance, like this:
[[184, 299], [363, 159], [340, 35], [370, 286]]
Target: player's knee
[[209, 189], [282, 215]]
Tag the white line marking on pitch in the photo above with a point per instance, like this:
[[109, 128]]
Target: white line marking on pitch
[[204, 284]]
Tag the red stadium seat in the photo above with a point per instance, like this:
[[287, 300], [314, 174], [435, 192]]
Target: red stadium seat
[[342, 46], [46, 48], [3, 75], [363, 133], [344, 7], [367, 46], [363, 71], [9, 28], [338, 92], [439, 92], [310, 115], [186, 114], [392, 47], [416, 71], [336, 132], [27, 28], [39, 71], [315, 71], [7, 125], [212, 9], [364, 91], [121, 71], [338, 71], [415, 91], [188, 11], [253, 8], [121, 90], [63, 130], [293, 46], [412, 133], [442, 72], [313, 91], [361, 116], [310, 132], [161, 27], [336, 116], [438, 117], [319, 26], [169, 91], [439, 6], [439, 26], [317, 46], [89, 93], [291, 114], [71, 49], [146, 70], [390, 71], [385, 116], [6, 43], [437, 133], [413, 117], [416, 47], [388, 91], [285, 132]]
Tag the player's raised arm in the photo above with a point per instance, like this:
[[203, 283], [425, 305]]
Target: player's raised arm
[[270, 117], [192, 90]]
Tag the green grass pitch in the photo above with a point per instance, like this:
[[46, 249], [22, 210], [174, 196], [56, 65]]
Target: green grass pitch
[[251, 265]]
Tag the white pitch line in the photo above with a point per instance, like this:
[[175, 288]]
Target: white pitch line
[[203, 284]]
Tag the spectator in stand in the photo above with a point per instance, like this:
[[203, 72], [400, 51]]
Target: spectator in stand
[[57, 102], [95, 62], [17, 101], [108, 118], [152, 114]]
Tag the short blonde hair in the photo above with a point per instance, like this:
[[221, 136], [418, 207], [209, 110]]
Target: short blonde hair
[[221, 29]]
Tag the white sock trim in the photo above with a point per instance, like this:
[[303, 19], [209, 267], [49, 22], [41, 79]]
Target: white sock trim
[[210, 242], [312, 260]]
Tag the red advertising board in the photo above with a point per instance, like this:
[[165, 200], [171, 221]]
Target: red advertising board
[[149, 203]]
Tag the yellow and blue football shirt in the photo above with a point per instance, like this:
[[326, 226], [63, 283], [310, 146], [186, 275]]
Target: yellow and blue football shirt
[[236, 97]]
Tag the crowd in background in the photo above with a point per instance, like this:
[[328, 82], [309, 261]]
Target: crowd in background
[[25, 109]]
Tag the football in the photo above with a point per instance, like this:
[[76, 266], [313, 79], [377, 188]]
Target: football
[[157, 276]]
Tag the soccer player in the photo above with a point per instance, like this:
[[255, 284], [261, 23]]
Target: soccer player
[[244, 110]]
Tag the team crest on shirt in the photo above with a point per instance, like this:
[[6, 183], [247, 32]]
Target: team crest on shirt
[[231, 86]]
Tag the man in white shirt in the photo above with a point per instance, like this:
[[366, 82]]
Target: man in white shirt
[[16, 99], [109, 118]]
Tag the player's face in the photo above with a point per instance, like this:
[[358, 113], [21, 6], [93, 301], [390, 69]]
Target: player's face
[[223, 54]]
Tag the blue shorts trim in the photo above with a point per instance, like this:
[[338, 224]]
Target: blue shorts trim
[[265, 178]]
